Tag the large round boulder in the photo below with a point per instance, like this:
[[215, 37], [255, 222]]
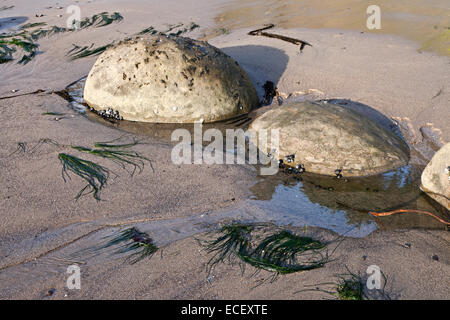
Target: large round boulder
[[325, 137], [436, 177], [169, 80]]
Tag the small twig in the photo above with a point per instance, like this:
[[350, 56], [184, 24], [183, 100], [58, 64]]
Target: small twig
[[22, 94], [383, 214], [259, 32]]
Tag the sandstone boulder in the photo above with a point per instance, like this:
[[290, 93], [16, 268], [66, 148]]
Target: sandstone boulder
[[326, 137], [169, 80], [436, 177]]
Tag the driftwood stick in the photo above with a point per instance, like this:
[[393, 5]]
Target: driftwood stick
[[259, 32]]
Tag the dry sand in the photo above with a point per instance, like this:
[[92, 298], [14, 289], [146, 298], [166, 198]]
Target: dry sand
[[40, 219]]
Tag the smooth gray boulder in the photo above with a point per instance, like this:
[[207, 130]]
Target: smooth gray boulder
[[169, 80], [436, 177], [326, 137]]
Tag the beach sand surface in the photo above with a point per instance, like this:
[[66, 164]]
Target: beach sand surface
[[40, 218]]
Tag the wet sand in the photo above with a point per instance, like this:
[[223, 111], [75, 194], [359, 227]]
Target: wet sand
[[426, 22], [41, 224]]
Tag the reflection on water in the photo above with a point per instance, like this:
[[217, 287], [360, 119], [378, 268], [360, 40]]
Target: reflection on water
[[424, 21], [341, 204]]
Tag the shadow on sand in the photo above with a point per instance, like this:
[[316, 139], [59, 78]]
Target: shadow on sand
[[261, 63]]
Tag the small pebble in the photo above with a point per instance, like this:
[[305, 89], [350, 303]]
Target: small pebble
[[339, 176]]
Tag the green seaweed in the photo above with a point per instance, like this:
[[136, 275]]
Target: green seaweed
[[94, 174], [350, 286], [100, 20], [30, 33], [280, 253], [81, 52], [234, 242], [8, 47], [32, 25], [78, 52], [149, 30], [118, 153], [189, 28], [133, 241]]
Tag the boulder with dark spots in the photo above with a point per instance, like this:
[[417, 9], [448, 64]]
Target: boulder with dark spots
[[436, 177], [326, 137], [169, 80]]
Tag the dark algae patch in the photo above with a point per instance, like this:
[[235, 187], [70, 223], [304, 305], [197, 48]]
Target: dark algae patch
[[351, 288], [131, 241]]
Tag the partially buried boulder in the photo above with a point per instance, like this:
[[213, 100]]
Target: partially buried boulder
[[169, 80], [436, 177], [325, 137]]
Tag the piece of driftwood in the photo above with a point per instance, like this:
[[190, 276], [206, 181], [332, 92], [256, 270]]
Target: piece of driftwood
[[259, 32]]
